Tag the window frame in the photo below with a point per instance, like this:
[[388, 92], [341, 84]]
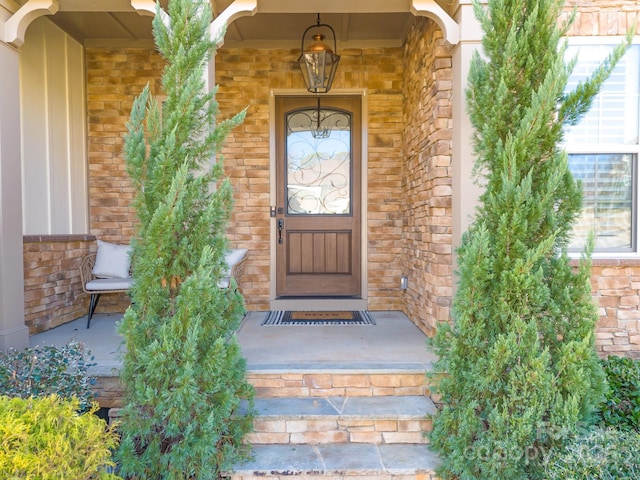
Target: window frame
[[581, 148]]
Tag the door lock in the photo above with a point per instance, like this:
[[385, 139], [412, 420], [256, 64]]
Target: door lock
[[280, 229]]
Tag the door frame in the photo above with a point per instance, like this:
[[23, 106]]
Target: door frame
[[309, 303]]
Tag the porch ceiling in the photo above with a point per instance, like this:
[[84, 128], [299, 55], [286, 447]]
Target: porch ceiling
[[370, 25]]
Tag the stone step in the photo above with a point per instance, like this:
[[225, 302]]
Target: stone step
[[270, 383], [323, 420], [339, 383], [337, 461]]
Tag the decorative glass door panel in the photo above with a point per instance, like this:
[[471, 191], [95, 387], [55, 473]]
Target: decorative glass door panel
[[318, 156], [318, 182]]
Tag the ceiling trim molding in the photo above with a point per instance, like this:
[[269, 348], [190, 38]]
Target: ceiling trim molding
[[430, 9], [238, 9], [288, 45], [335, 6], [16, 26], [144, 7], [107, 5], [244, 8], [120, 43]]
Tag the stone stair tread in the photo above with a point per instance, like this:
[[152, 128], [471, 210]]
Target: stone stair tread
[[400, 407], [338, 459], [353, 368]]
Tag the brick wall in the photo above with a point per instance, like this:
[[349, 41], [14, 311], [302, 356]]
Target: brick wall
[[426, 189], [603, 17], [616, 287], [115, 76], [52, 291], [409, 177], [52, 288], [246, 78], [615, 282]]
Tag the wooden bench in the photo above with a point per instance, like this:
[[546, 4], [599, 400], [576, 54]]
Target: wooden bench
[[93, 286]]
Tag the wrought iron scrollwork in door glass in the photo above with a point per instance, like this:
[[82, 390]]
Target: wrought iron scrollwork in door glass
[[319, 167]]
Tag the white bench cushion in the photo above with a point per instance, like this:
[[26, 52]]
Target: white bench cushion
[[112, 260], [109, 284], [233, 257]]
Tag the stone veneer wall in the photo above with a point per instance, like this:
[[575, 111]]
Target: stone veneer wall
[[52, 291], [115, 76], [409, 225], [616, 287], [426, 189], [602, 17], [52, 288], [246, 78], [615, 282]]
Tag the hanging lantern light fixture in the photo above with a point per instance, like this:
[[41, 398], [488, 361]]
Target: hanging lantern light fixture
[[317, 61]]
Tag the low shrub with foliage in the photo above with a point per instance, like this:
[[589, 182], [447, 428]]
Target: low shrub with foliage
[[600, 454], [47, 438], [42, 371], [611, 450], [621, 408]]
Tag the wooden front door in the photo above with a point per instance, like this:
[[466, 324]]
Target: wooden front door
[[318, 212]]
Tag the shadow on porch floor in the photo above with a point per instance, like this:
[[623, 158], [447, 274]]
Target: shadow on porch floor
[[393, 343]]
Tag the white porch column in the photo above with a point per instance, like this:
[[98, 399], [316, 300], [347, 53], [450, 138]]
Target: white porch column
[[13, 332], [465, 192]]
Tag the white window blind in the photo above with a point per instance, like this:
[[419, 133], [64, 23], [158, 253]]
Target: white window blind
[[608, 206], [613, 117], [603, 152]]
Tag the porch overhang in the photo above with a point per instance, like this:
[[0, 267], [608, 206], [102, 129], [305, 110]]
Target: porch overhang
[[16, 26], [427, 8]]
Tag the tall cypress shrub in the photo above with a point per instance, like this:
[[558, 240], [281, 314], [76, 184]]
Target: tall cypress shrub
[[183, 371], [521, 368]]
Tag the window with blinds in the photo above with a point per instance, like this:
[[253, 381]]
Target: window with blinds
[[608, 202], [603, 152]]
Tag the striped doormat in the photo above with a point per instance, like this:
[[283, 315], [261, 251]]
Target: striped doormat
[[281, 317]]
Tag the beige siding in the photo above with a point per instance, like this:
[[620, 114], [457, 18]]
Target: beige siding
[[53, 132]]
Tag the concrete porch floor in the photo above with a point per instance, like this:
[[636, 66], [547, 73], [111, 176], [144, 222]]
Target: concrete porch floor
[[393, 343], [393, 346]]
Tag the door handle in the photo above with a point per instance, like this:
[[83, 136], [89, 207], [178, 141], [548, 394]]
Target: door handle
[[280, 229]]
